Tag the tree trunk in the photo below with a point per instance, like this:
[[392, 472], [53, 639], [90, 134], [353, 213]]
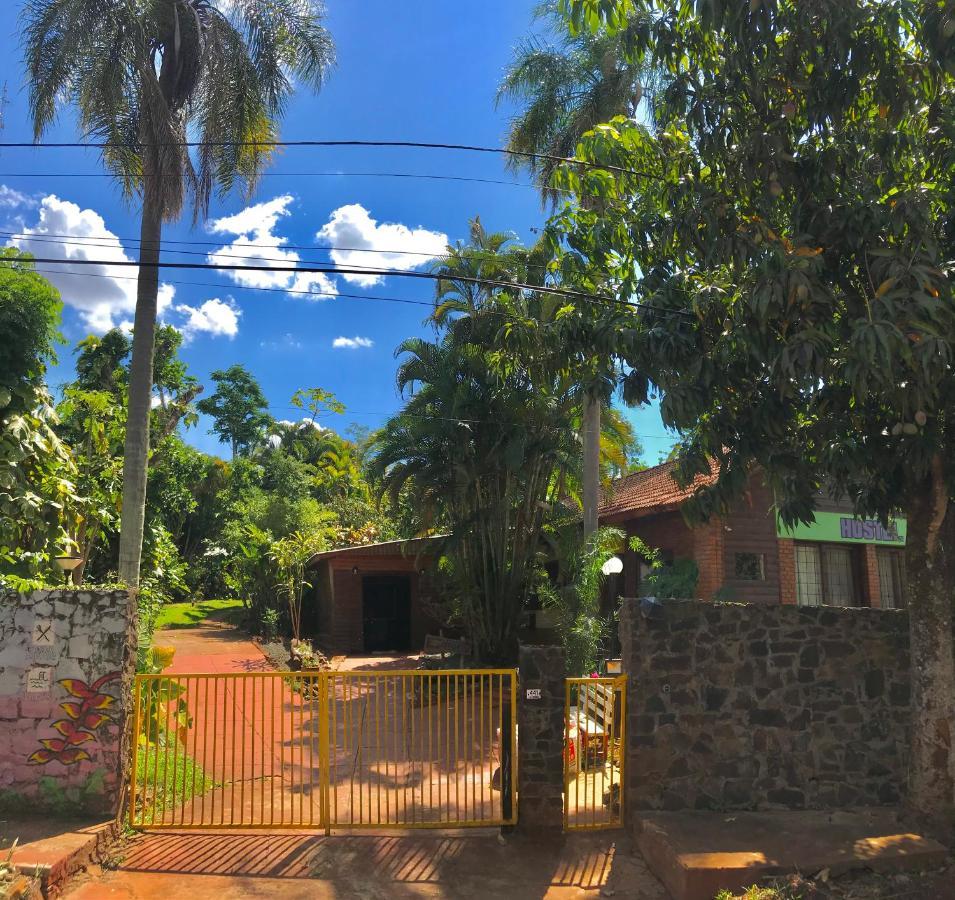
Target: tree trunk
[[591, 474], [136, 456], [930, 573]]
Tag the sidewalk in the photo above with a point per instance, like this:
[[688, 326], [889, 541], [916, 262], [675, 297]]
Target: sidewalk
[[446, 866]]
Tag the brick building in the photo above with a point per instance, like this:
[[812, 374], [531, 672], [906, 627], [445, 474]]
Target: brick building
[[749, 557], [372, 598]]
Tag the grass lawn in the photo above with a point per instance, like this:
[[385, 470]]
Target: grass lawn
[[165, 783], [185, 615]]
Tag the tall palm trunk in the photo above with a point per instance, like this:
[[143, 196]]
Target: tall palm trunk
[[591, 474], [136, 455]]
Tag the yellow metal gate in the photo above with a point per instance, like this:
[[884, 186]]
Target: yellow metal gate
[[361, 749], [595, 713]]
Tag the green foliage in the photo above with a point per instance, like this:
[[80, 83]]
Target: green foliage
[[37, 487], [93, 423], [677, 579], [37, 475], [786, 220], [290, 555], [574, 593], [101, 362], [238, 409], [182, 779], [269, 622], [73, 800], [210, 525], [799, 312], [174, 72], [317, 402], [30, 309], [564, 90], [486, 445]]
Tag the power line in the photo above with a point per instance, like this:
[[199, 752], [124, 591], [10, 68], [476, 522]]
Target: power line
[[569, 293], [245, 287], [97, 242], [91, 241], [410, 175], [412, 145], [430, 417]]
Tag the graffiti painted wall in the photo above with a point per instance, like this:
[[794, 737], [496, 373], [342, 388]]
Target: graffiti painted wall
[[67, 660]]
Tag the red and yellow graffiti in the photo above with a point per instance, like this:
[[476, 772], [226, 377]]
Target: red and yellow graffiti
[[85, 715]]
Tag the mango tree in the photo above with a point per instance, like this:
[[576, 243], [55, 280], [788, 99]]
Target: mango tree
[[786, 217]]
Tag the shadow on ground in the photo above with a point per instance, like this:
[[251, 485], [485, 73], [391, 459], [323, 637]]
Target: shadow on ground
[[407, 865]]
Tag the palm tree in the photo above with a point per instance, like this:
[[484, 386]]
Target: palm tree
[[563, 92], [146, 76], [486, 442]]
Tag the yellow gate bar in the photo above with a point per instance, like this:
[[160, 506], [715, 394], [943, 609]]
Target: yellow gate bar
[[595, 711], [415, 748]]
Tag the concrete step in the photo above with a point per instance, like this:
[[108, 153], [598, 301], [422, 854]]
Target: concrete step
[[697, 854], [61, 852]]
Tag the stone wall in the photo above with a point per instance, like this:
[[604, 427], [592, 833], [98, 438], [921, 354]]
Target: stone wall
[[540, 747], [67, 660], [734, 706]]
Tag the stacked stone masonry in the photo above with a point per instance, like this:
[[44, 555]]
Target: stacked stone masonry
[[67, 660], [541, 737], [736, 706]]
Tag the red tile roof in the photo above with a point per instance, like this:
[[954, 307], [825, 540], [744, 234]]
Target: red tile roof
[[650, 490]]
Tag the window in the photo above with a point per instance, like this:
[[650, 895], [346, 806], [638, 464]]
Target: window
[[891, 578], [825, 575], [750, 567]]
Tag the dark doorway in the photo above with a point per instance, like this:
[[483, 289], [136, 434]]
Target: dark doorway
[[386, 611]]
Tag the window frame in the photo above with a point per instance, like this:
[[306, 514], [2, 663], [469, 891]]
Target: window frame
[[760, 560], [895, 560], [857, 599]]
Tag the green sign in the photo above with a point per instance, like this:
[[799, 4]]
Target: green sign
[[841, 528]]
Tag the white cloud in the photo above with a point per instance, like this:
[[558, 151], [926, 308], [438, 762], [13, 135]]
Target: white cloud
[[255, 225], [213, 317], [288, 341], [352, 343], [12, 199], [369, 242], [102, 294]]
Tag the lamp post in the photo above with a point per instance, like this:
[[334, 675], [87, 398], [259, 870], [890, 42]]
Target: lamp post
[[612, 568], [67, 564]]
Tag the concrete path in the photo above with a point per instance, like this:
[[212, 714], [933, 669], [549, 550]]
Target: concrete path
[[211, 647], [403, 750], [446, 866]]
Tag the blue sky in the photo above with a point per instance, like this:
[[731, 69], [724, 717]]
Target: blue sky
[[424, 71]]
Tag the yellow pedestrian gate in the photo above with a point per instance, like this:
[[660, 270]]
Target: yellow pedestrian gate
[[595, 713], [323, 750]]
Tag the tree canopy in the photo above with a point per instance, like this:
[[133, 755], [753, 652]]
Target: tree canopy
[[785, 220], [238, 408]]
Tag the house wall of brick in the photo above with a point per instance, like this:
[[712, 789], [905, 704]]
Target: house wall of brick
[[709, 551], [751, 528], [339, 616], [786, 549], [870, 576]]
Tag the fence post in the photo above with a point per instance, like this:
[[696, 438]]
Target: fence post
[[324, 752], [541, 741]]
